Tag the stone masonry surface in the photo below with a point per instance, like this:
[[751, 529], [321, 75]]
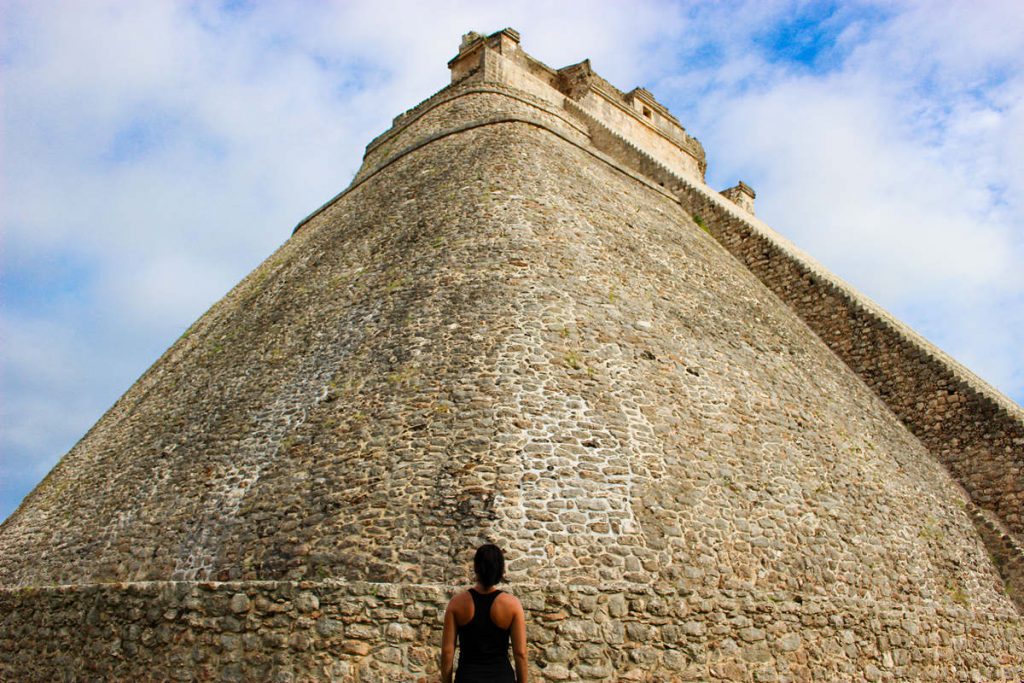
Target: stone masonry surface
[[511, 327], [388, 633], [970, 427]]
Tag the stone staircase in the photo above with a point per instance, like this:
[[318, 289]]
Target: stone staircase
[[628, 154], [1006, 551]]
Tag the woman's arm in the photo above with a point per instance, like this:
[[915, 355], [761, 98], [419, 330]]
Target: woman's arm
[[448, 645], [519, 643]]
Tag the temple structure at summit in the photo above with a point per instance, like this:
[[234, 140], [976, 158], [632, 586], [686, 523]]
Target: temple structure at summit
[[530, 321]]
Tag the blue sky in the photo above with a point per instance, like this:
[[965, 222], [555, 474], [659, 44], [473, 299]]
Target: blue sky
[[154, 153]]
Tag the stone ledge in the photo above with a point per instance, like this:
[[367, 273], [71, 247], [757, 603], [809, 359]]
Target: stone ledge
[[364, 631], [366, 174], [453, 92], [809, 602]]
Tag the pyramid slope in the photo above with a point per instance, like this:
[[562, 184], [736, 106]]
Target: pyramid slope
[[527, 346]]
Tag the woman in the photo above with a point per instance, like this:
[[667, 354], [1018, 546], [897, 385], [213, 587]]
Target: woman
[[484, 618]]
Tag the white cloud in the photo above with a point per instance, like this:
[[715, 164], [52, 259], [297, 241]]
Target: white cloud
[[848, 187], [51, 393], [895, 164]]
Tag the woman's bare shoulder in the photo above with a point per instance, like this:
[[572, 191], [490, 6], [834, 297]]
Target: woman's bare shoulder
[[460, 598], [509, 601], [460, 602]]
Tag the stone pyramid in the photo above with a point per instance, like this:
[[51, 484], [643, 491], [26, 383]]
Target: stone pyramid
[[528, 320]]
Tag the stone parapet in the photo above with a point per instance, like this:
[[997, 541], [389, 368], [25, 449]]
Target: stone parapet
[[389, 633], [742, 195], [498, 58], [466, 103]]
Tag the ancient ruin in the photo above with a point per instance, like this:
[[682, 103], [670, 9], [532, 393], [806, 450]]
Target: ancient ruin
[[529, 320]]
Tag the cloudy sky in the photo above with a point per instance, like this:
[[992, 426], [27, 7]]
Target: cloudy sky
[[155, 152]]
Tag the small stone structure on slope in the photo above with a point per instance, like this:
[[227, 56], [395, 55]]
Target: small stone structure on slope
[[529, 321]]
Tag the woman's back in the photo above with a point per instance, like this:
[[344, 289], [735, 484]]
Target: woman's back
[[483, 620], [483, 644]]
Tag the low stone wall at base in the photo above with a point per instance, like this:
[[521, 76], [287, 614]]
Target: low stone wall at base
[[365, 632]]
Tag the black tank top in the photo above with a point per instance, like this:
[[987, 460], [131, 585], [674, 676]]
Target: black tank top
[[483, 647]]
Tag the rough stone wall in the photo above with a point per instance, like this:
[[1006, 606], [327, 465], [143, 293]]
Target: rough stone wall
[[457, 106], [388, 633], [1007, 553], [971, 428], [617, 398], [665, 150], [499, 59]]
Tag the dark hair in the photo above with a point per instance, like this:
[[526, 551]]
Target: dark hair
[[489, 565]]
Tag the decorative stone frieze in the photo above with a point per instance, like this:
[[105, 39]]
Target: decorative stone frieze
[[742, 195]]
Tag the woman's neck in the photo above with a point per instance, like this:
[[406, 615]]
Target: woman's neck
[[480, 588]]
